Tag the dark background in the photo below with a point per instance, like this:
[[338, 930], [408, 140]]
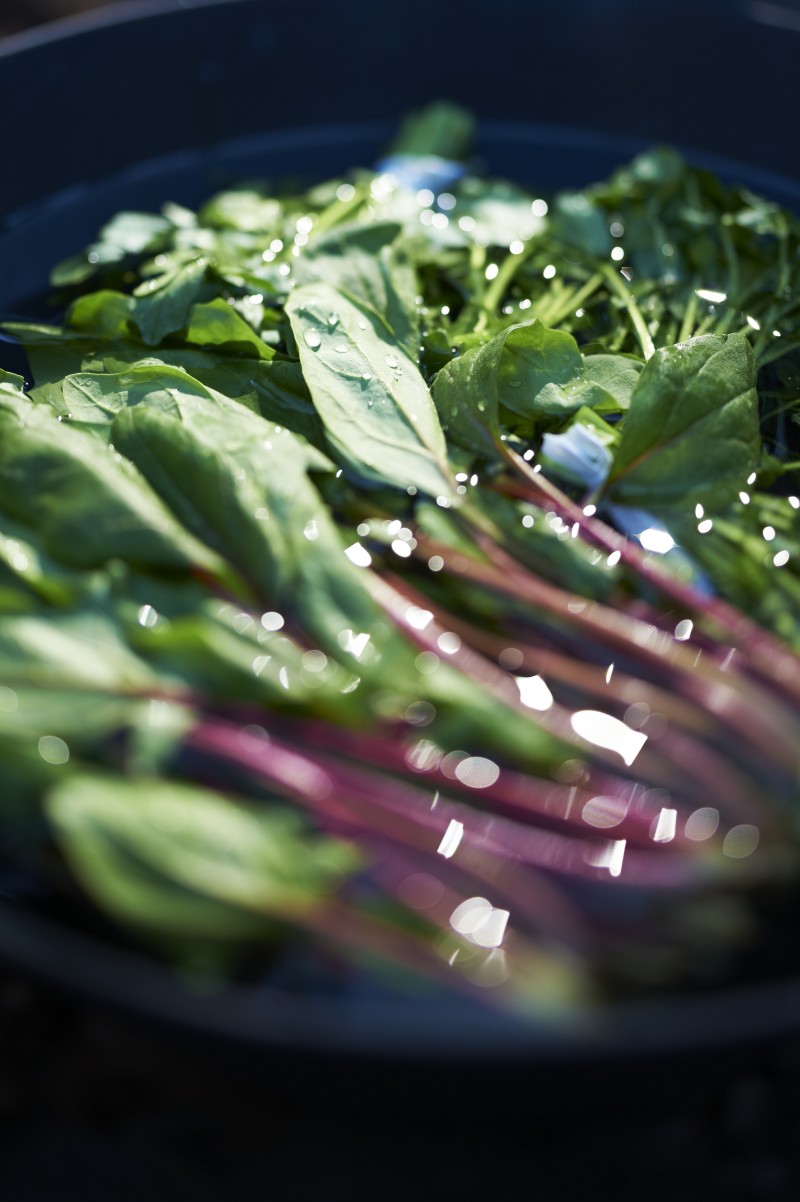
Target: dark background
[[96, 1103], [17, 15]]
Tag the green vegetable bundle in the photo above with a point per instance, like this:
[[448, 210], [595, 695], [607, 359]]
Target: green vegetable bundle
[[408, 576]]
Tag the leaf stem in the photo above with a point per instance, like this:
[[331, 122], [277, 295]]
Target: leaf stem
[[689, 318], [573, 301], [771, 659], [611, 275], [497, 289]]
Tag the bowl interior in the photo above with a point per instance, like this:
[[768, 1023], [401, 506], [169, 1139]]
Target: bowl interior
[[59, 221]]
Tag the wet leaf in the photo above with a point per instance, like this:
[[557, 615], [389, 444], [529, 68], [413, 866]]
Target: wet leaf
[[179, 861], [692, 432], [87, 505], [374, 404]]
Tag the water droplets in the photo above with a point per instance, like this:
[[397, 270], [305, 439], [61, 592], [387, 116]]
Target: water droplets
[[448, 643], [478, 920], [740, 841], [603, 730], [702, 824], [609, 855], [315, 661], [53, 750], [147, 616], [476, 772], [664, 826], [534, 693], [312, 339], [358, 555], [604, 812], [451, 839]]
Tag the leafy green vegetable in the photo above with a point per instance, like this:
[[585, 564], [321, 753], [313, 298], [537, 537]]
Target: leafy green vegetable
[[190, 865], [372, 399], [365, 262], [300, 634], [692, 432], [87, 506], [163, 303]]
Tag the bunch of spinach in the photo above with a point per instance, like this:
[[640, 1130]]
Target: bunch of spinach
[[380, 565]]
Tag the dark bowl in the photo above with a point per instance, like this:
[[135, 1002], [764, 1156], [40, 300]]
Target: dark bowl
[[154, 101]]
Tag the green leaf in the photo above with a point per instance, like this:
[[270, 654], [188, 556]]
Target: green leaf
[[526, 370], [208, 491], [442, 129], [87, 505], [366, 263], [226, 653], [125, 235], [39, 573], [107, 314], [282, 396], [274, 388], [163, 304], [134, 233], [617, 375], [243, 209], [12, 385], [524, 360], [578, 221], [237, 482], [500, 210], [182, 862], [374, 404], [52, 352], [81, 649], [691, 435], [96, 398], [218, 324]]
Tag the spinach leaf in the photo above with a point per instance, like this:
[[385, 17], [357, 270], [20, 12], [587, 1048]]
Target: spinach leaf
[[209, 490], [273, 387], [218, 324], [79, 649], [367, 263], [127, 234], [106, 314], [163, 303], [86, 503], [373, 402], [95, 398], [617, 375], [52, 352], [691, 435], [240, 484], [526, 371], [179, 861]]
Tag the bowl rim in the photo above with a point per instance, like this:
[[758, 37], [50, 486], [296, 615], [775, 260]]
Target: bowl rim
[[107, 14]]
